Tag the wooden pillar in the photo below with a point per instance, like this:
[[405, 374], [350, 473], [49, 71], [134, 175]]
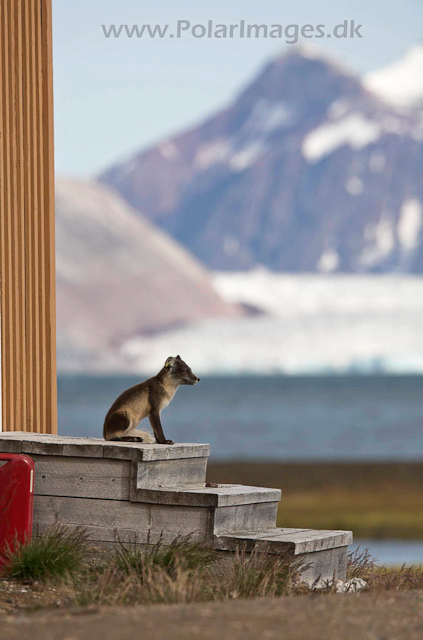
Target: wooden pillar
[[27, 260]]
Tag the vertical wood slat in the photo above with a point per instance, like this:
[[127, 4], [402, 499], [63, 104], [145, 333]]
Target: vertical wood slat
[[27, 259]]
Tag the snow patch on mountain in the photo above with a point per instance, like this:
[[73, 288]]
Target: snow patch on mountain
[[380, 242], [409, 224], [212, 153], [247, 156], [354, 130], [354, 185], [328, 261], [400, 83], [169, 150], [267, 116]]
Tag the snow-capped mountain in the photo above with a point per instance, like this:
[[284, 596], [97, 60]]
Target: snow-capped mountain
[[400, 83], [307, 170], [118, 276]]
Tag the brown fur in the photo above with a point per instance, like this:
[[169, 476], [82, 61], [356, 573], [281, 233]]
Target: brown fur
[[147, 399]]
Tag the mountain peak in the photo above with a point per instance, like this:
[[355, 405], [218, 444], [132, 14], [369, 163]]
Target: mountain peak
[[305, 78], [308, 51], [305, 170]]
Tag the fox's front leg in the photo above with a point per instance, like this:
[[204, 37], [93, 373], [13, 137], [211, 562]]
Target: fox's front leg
[[156, 425]]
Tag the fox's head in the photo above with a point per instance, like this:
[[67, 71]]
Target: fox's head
[[179, 371]]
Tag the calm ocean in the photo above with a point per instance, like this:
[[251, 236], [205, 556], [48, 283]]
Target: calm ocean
[[279, 418]]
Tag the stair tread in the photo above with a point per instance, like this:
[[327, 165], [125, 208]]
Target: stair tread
[[283, 539], [200, 495], [53, 444]]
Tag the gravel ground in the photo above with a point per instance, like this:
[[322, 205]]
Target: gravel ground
[[363, 616]]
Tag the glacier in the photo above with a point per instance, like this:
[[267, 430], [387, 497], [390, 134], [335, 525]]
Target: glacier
[[303, 324]]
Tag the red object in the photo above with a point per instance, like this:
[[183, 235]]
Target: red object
[[16, 500]]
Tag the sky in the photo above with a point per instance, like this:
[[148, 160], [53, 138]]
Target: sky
[[115, 96]]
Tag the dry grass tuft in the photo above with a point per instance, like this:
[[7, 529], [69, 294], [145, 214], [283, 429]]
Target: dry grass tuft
[[258, 574], [183, 573], [181, 552], [362, 565]]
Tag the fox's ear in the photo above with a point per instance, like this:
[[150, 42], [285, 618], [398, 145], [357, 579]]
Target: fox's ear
[[170, 361]]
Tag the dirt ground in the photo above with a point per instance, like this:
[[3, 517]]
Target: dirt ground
[[364, 616]]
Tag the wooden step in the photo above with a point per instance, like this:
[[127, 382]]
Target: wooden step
[[280, 540], [49, 444], [225, 495], [154, 465], [322, 554]]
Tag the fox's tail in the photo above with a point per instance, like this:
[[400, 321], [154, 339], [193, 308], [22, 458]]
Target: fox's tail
[[147, 437]]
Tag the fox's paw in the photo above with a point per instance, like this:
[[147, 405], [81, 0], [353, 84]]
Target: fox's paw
[[169, 442]]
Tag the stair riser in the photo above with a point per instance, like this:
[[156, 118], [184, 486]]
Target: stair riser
[[246, 517], [324, 565], [170, 473]]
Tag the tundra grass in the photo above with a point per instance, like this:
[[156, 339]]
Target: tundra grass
[[192, 575], [252, 575], [180, 552], [374, 500], [56, 553], [181, 574]]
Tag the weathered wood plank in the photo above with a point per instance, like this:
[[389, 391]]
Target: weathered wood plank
[[247, 517], [174, 451], [42, 448], [295, 541], [157, 451], [193, 521], [10, 446], [106, 519], [83, 450], [155, 474], [105, 534], [51, 444], [112, 450], [108, 514], [224, 495], [326, 564], [82, 477]]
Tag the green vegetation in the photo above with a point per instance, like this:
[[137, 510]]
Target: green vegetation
[[57, 553], [374, 500]]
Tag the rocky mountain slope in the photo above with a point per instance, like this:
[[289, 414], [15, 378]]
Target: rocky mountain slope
[[307, 170], [118, 276]]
